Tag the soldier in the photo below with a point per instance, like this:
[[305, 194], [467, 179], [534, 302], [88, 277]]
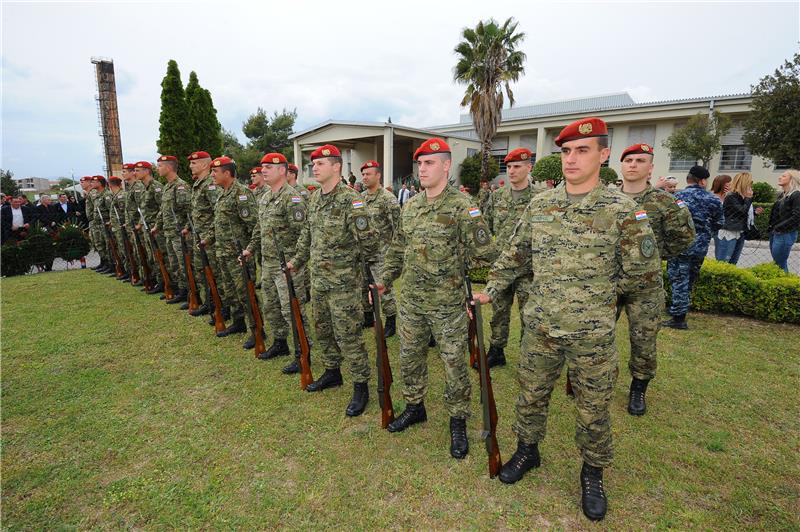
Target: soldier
[[234, 219], [175, 202], [484, 193], [281, 217], [149, 202], [115, 203], [440, 234], [505, 208], [584, 240], [674, 232], [257, 183], [384, 212], [134, 194], [88, 187], [292, 179], [81, 210], [204, 195], [337, 233], [683, 270], [99, 215]]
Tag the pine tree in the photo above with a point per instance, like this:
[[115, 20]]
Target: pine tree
[[206, 131], [174, 119]]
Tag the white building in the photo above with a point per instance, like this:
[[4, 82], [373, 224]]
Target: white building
[[36, 185]]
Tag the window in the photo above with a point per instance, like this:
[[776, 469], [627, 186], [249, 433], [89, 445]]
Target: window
[[500, 162], [681, 164], [736, 157], [642, 134], [471, 152], [782, 165]]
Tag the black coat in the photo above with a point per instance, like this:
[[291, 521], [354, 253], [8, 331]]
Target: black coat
[[6, 221], [735, 208], [785, 215], [46, 216], [62, 217]]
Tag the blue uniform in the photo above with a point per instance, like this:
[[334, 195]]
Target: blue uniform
[[684, 269]]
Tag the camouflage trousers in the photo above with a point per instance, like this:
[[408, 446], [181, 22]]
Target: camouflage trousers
[[155, 265], [448, 325], [388, 303], [683, 272], [501, 311], [98, 238], [644, 310], [231, 281], [337, 323], [173, 252], [140, 260], [120, 243], [592, 369], [275, 300], [203, 289]]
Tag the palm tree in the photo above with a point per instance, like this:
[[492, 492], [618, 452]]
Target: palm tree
[[488, 61]]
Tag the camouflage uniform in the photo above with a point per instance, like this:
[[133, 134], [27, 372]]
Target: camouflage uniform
[[384, 213], [150, 204], [484, 197], [204, 197], [284, 213], [331, 243], [96, 232], [580, 250], [683, 270], [234, 218], [175, 203], [502, 215], [430, 248], [102, 203], [134, 198], [116, 212], [673, 229], [303, 191]]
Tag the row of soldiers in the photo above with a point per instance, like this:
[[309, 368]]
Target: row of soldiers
[[574, 257]]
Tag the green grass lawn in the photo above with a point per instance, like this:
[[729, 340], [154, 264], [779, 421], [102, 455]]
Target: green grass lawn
[[119, 411]]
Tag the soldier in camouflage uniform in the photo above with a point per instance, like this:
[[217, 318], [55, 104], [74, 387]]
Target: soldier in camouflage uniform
[[134, 194], [257, 183], [585, 240], [101, 220], [505, 208], [338, 232], [674, 231], [88, 187], [149, 203], [384, 212], [683, 270], [175, 203], [281, 217], [96, 231], [204, 196], [441, 233], [292, 179], [484, 196], [115, 202], [234, 218]]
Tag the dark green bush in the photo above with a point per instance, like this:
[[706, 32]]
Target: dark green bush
[[39, 247], [608, 175], [71, 243], [470, 172], [478, 275], [548, 168], [13, 260], [763, 193]]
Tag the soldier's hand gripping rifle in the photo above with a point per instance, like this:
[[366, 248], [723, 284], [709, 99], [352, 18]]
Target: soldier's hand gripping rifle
[[252, 301], [298, 327], [187, 263], [219, 321], [134, 267], [168, 294], [489, 432], [146, 271], [118, 271]]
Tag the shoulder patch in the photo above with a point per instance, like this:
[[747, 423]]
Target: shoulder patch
[[680, 203], [243, 197], [158, 189], [298, 214], [296, 199], [641, 215], [362, 223], [245, 212], [212, 187], [474, 212], [358, 204], [648, 246], [481, 235]]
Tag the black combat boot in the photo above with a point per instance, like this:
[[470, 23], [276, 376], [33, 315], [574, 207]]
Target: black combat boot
[[279, 348], [495, 357], [676, 322], [251, 342], [390, 327], [292, 368], [369, 320], [636, 403], [593, 497], [95, 268], [138, 283], [238, 326], [199, 311], [329, 379], [412, 415], [180, 296], [526, 457], [103, 268], [432, 342], [157, 288], [125, 277], [359, 401], [459, 446]]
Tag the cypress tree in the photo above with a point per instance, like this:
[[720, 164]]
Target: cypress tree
[[206, 131], [174, 119]]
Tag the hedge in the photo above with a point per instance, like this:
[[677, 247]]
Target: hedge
[[41, 248]]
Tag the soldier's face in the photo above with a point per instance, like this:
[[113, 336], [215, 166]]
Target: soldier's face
[[162, 168], [141, 173], [324, 170], [517, 172], [273, 174], [671, 187], [433, 169], [85, 185], [636, 167], [198, 166], [581, 160], [221, 178], [370, 177]]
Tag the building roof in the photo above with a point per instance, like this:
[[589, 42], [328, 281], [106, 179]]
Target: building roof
[[381, 125]]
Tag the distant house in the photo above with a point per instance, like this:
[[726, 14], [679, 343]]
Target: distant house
[[35, 185]]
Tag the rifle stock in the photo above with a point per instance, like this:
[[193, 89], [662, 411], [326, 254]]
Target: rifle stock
[[252, 303], [187, 263], [133, 273], [146, 271], [168, 294], [219, 321], [382, 354]]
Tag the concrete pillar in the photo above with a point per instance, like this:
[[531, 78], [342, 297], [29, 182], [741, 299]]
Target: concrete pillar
[[541, 136], [388, 157]]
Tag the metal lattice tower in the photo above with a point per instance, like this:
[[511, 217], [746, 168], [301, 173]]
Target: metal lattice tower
[[108, 114]]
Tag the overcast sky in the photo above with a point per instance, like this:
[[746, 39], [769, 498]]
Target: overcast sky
[[351, 61]]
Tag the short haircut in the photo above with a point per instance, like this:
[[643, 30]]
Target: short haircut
[[173, 164], [230, 167], [602, 142]]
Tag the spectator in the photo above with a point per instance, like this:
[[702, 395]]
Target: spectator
[[46, 214], [402, 195], [667, 184], [412, 192], [738, 217], [63, 210], [14, 221], [720, 187], [784, 220]]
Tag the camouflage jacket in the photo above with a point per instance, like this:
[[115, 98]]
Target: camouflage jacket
[[116, 208], [706, 210], [670, 220], [433, 245], [284, 212], [204, 197], [101, 203], [503, 212], [338, 232], [384, 212], [134, 197], [580, 254], [176, 200], [151, 202], [234, 216], [90, 199]]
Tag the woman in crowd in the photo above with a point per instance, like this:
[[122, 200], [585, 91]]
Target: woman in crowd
[[720, 187], [739, 217], [784, 221]]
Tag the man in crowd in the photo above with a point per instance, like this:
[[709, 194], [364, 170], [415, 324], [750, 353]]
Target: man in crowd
[[171, 219], [115, 204], [15, 221], [96, 219], [64, 210], [149, 202]]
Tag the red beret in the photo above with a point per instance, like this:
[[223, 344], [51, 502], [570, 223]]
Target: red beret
[[128, 166], [251, 186], [114, 178], [637, 148], [199, 155], [581, 129], [328, 150], [220, 161], [293, 168], [370, 164], [520, 154], [255, 170], [274, 158], [432, 146], [167, 158], [144, 164], [502, 182], [86, 178]]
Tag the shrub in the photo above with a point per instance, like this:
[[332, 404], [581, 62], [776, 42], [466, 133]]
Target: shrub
[[608, 175], [71, 243], [470, 172], [480, 275], [548, 168], [763, 193], [39, 247], [13, 260]]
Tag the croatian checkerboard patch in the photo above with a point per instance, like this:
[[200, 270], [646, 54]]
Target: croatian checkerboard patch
[[474, 212], [641, 215], [358, 204]]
